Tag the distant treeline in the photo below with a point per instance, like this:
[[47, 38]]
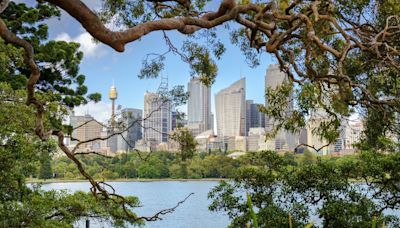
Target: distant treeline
[[163, 165]]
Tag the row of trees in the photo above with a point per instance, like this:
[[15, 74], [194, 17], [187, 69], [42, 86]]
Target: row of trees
[[160, 165]]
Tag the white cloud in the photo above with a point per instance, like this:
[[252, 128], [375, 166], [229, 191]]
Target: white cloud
[[88, 46], [114, 25], [101, 111]]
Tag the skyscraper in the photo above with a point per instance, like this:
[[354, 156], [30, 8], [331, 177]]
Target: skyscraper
[[156, 118], [131, 119], [199, 105], [284, 140], [273, 79], [254, 118], [230, 108], [174, 119], [86, 128]]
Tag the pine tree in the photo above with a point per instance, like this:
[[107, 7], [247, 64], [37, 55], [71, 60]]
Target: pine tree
[[45, 171]]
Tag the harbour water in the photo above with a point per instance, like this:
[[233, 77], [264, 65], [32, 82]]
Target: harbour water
[[158, 195]]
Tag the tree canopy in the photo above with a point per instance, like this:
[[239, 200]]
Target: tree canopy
[[341, 58]]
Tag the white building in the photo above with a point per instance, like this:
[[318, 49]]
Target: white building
[[230, 108], [256, 139], [199, 107], [284, 140], [156, 118], [274, 78], [352, 134]]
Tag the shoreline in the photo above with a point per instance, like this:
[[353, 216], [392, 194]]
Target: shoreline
[[49, 181]]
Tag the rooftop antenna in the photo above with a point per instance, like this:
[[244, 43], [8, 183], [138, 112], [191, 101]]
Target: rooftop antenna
[[163, 87]]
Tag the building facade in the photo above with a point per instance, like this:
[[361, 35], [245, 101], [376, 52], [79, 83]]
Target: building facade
[[85, 128], [284, 140], [230, 108], [199, 106], [131, 120], [254, 118], [157, 118], [274, 78], [352, 134]]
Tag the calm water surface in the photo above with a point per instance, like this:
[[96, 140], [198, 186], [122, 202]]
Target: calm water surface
[[159, 195]]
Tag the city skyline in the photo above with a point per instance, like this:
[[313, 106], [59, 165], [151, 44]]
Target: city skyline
[[102, 110], [105, 112], [240, 126]]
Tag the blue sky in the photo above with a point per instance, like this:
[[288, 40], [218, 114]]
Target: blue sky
[[102, 65]]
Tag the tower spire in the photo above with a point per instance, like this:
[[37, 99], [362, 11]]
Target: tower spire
[[113, 94]]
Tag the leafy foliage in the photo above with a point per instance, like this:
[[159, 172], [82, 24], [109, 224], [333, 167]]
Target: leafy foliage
[[21, 154], [344, 192], [47, 149], [187, 143], [37, 208], [59, 60]]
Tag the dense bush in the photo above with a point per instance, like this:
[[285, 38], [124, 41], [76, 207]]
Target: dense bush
[[351, 191]]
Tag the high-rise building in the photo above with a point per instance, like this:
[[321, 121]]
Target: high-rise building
[[85, 128], [230, 108], [284, 140], [131, 120], [273, 79], [174, 119], [177, 120], [199, 106], [157, 120], [212, 122], [254, 118]]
